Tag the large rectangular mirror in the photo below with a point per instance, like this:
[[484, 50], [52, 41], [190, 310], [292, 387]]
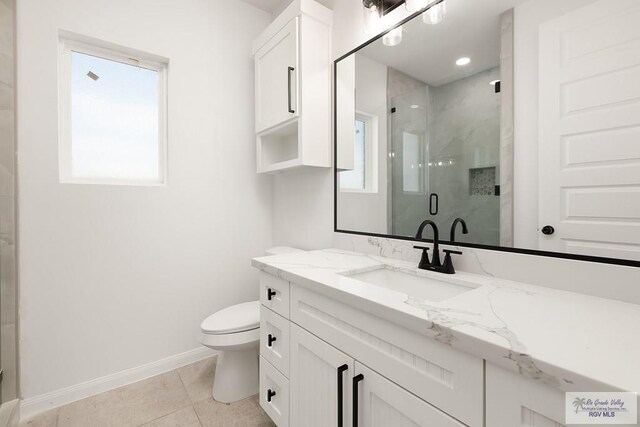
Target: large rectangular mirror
[[524, 123]]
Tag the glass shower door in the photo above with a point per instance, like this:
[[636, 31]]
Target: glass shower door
[[408, 161]]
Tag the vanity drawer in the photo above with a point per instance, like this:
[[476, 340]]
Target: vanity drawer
[[274, 339], [275, 405], [445, 377], [274, 294]]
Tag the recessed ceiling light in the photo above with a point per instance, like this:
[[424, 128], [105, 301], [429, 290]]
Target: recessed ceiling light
[[414, 106], [493, 82], [463, 61]]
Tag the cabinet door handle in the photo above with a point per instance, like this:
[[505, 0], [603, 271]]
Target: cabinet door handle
[[341, 371], [289, 71], [270, 394], [270, 294], [356, 380], [270, 340]]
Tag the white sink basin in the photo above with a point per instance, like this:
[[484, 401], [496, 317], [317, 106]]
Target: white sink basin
[[414, 283]]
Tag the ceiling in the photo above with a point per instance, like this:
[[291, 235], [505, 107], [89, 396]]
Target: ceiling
[[428, 53], [272, 6]]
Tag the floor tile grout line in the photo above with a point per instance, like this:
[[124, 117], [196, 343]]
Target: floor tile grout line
[[198, 416], [186, 392], [166, 415]]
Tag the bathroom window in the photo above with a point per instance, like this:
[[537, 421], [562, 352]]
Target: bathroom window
[[113, 126], [363, 177]]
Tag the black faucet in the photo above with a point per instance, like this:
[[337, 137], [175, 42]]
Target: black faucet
[[453, 228], [435, 264]]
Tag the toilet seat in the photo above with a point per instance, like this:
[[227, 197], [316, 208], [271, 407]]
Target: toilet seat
[[232, 320]]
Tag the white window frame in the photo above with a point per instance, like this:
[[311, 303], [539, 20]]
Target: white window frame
[[68, 43], [370, 152]]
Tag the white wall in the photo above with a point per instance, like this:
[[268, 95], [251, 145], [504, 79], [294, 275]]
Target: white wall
[[310, 218], [114, 277], [303, 201], [527, 18]]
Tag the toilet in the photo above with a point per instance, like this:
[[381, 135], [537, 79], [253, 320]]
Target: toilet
[[235, 333]]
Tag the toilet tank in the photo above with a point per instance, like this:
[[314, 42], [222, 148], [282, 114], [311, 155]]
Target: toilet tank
[[279, 250]]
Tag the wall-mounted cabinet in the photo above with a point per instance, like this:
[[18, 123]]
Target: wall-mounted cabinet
[[293, 89]]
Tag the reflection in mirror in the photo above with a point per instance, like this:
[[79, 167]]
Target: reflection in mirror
[[423, 132], [425, 127]]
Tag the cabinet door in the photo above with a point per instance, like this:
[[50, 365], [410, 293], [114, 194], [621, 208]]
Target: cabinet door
[[320, 378], [380, 403], [516, 401], [277, 80]]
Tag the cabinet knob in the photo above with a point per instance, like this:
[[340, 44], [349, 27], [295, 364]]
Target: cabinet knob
[[270, 294], [270, 394]]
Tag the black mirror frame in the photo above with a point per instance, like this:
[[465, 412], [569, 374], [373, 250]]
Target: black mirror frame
[[533, 252]]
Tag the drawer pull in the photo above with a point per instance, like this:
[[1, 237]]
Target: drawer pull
[[271, 293], [341, 371], [356, 381], [270, 394], [270, 340]]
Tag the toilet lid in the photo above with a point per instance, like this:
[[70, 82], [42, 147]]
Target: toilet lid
[[237, 318]]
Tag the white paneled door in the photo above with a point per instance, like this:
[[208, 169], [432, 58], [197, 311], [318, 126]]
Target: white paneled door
[[320, 379], [589, 130]]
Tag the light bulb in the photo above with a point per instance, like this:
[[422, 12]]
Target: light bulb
[[435, 14], [415, 5], [371, 17], [393, 37]]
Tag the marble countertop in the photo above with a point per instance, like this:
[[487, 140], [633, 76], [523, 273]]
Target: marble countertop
[[566, 340]]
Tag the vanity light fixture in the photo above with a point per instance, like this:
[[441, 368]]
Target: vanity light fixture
[[435, 14], [372, 14], [461, 62], [393, 37], [415, 5]]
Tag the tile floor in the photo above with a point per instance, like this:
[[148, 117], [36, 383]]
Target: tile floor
[[179, 398]]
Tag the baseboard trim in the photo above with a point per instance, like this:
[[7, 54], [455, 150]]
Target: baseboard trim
[[34, 405]]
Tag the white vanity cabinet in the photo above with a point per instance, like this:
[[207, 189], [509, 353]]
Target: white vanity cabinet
[[293, 89], [341, 358], [320, 381], [380, 402], [516, 401]]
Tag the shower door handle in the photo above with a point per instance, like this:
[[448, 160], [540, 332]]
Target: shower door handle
[[433, 204]]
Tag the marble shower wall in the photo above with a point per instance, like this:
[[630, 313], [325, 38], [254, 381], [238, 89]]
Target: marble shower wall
[[8, 315], [464, 146]]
